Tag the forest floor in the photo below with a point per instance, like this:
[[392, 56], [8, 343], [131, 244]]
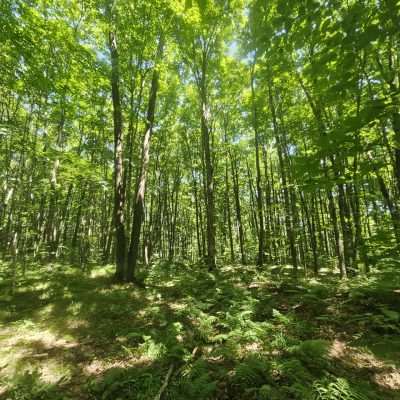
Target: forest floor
[[235, 334]]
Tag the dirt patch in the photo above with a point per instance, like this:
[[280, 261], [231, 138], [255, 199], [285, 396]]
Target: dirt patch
[[384, 375], [388, 379]]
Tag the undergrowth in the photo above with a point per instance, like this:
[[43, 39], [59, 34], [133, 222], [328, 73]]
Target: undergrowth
[[235, 334]]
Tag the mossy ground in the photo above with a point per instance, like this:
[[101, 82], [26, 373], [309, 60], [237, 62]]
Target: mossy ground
[[235, 334]]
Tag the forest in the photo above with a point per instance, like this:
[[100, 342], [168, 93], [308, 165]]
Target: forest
[[199, 199]]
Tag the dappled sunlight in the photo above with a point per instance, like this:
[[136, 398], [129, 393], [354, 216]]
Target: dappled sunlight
[[388, 379], [89, 336], [177, 306], [32, 348], [382, 373], [199, 200]]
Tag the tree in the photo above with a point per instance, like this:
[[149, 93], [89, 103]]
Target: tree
[[119, 190], [138, 210]]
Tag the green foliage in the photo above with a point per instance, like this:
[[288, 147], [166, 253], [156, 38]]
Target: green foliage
[[391, 315], [294, 371], [193, 382], [206, 330], [313, 354], [335, 389], [124, 384], [209, 328], [30, 386], [253, 371], [150, 348], [280, 341], [267, 392]]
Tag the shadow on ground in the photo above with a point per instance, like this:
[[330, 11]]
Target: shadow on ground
[[235, 334]]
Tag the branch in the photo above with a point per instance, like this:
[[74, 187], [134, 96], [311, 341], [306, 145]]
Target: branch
[[165, 384]]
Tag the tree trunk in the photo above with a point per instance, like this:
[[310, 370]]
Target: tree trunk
[[288, 209], [138, 207], [235, 178], [119, 198], [205, 134], [260, 257]]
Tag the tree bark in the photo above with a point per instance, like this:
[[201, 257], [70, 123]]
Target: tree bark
[[138, 208], [205, 134], [119, 198], [259, 197], [235, 180]]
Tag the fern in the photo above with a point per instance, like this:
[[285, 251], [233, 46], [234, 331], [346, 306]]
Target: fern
[[267, 392], [125, 384], [29, 386], [151, 349], [193, 382], [294, 371], [252, 372], [313, 354], [206, 329], [279, 341], [338, 389]]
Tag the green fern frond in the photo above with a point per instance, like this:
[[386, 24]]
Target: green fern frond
[[338, 389], [252, 372]]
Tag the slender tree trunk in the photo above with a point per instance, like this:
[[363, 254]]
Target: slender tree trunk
[[309, 216], [391, 205], [332, 208], [253, 206], [269, 220], [261, 234], [288, 210], [344, 217], [138, 207], [228, 209], [205, 133], [235, 180], [119, 199]]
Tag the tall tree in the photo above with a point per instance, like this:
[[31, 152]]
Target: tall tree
[[138, 208], [119, 190]]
